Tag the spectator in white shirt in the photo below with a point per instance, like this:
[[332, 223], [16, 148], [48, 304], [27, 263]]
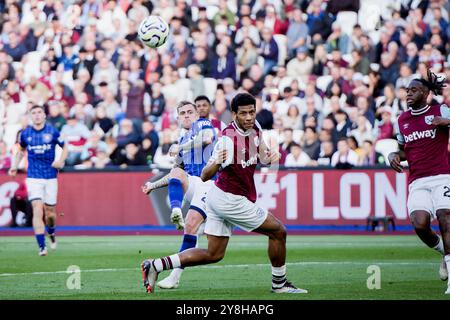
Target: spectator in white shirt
[[297, 157], [344, 157]]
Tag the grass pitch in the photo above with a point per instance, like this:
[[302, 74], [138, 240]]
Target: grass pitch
[[330, 267]]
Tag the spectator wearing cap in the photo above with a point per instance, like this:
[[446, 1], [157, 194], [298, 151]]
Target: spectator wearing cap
[[268, 49], [301, 66], [223, 64], [297, 33], [297, 157]]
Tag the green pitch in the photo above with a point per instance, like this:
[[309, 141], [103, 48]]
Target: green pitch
[[330, 267]]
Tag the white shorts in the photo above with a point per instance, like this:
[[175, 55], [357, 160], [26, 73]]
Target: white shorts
[[429, 194], [42, 189], [226, 210], [196, 194]]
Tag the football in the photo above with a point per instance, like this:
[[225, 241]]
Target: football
[[153, 31]]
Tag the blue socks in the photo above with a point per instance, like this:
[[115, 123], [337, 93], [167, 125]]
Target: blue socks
[[175, 193], [40, 238], [189, 241], [50, 230]]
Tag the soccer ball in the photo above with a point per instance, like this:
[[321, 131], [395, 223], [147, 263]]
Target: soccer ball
[[153, 31]]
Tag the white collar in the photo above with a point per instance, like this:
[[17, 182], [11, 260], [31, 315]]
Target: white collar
[[240, 131], [420, 111]]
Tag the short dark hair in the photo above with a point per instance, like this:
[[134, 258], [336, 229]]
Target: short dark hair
[[202, 97], [242, 99], [312, 129], [36, 106]]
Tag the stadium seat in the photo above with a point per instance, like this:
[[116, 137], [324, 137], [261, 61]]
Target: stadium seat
[[210, 87], [281, 41], [323, 81], [211, 11], [347, 20], [369, 14], [386, 146]]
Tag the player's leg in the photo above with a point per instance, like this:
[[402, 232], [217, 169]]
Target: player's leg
[[35, 189], [192, 223], [193, 257], [443, 216], [51, 194], [276, 232], [421, 211], [178, 186]]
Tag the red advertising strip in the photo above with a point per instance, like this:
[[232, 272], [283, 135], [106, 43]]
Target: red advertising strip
[[307, 197]]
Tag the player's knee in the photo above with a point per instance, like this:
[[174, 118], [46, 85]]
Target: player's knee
[[420, 221], [177, 173], [280, 233], [216, 256]]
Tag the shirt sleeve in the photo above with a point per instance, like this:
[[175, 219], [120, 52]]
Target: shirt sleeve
[[58, 139], [398, 134], [224, 143], [22, 140]]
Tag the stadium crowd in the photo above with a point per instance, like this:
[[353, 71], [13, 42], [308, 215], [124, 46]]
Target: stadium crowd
[[329, 76]]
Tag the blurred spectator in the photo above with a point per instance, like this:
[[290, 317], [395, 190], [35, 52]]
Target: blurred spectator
[[268, 49], [297, 33], [338, 40], [292, 119], [297, 157], [21, 208], [301, 66], [326, 153], [5, 158], [75, 134], [55, 116], [158, 103], [369, 156], [344, 157], [311, 143], [223, 64]]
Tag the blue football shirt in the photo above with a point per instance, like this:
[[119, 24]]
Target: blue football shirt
[[40, 146]]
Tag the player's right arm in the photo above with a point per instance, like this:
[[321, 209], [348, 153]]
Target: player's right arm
[[395, 158], [18, 156]]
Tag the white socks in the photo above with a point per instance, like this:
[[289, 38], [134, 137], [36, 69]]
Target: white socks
[[278, 276], [166, 263], [447, 262], [440, 246]]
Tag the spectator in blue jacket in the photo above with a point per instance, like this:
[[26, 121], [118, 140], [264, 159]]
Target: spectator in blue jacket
[[268, 49], [223, 64]]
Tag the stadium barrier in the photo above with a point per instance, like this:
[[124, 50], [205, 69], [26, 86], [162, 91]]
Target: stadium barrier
[[298, 197]]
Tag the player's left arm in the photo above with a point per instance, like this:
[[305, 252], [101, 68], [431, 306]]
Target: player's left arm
[[222, 156], [444, 119], [59, 163], [268, 155]]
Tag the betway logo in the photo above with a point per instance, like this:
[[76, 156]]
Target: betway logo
[[249, 162], [416, 135]]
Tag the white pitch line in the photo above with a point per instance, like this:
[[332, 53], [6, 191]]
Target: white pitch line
[[306, 263]]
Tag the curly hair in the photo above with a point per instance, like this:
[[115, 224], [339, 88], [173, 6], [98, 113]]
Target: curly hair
[[433, 83]]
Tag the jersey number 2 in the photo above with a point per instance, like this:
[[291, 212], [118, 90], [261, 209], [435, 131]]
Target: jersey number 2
[[447, 191]]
